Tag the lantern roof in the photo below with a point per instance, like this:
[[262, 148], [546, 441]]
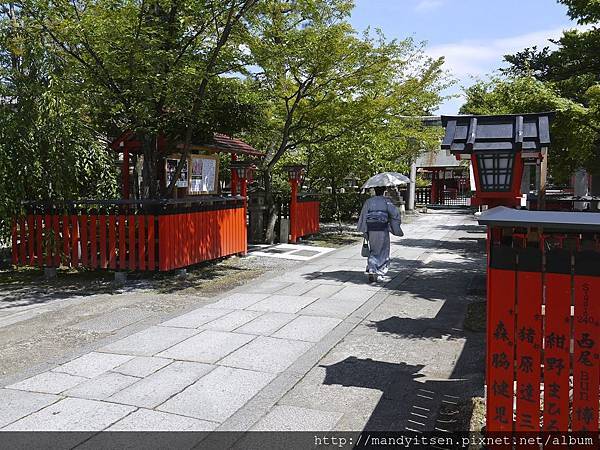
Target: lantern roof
[[511, 132], [508, 217]]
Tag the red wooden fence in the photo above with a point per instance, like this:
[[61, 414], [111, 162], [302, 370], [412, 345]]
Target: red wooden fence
[[543, 368], [305, 218], [128, 241]]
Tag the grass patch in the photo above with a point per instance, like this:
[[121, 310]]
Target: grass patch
[[475, 317]]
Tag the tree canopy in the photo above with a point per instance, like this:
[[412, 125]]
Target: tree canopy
[[291, 77], [565, 79]]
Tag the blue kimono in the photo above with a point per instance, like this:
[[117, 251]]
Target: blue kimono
[[377, 219]]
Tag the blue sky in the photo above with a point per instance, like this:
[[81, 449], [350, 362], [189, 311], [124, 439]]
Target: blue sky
[[472, 34]]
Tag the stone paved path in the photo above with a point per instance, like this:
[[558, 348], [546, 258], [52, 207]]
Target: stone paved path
[[315, 348]]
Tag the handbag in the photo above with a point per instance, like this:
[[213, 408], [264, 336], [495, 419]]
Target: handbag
[[364, 251]]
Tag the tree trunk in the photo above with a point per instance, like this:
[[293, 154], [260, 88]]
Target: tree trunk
[[338, 213], [149, 170], [270, 205]]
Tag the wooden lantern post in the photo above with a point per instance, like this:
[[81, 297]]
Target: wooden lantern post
[[294, 175]]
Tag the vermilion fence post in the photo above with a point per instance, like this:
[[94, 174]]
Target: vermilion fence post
[[500, 336], [56, 244], [93, 242], [528, 335], [131, 241], [112, 241], [14, 252], [66, 237], [142, 253], [151, 243], [102, 241], [48, 239], [30, 241], [122, 243], [294, 211], [38, 240], [83, 227], [74, 241], [586, 332], [557, 338]]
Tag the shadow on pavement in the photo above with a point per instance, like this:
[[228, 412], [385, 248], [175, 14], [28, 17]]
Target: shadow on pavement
[[410, 401], [407, 403]]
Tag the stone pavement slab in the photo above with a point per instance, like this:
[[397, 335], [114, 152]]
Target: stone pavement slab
[[295, 289], [92, 364], [359, 292], [266, 287], [158, 387], [322, 290], [18, 404], [150, 341], [292, 418], [307, 328], [102, 387], [113, 320], [232, 320], [196, 318], [48, 382], [283, 303], [238, 301], [328, 307], [209, 346], [266, 324], [142, 366], [218, 395], [267, 354], [72, 414], [150, 420]]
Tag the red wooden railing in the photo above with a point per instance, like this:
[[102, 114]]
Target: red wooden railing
[[123, 240], [187, 239], [543, 371], [305, 218]]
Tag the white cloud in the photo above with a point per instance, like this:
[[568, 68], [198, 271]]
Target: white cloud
[[479, 57], [470, 59], [428, 5]]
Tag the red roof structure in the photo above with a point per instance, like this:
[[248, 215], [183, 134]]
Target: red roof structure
[[221, 143]]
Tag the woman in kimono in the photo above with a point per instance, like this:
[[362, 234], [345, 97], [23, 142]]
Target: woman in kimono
[[379, 217]]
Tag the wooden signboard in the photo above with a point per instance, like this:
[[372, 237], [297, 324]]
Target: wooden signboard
[[200, 173]]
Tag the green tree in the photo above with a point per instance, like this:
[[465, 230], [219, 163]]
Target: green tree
[[156, 67], [570, 74], [330, 91], [47, 149]]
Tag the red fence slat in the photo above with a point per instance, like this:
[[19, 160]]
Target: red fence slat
[[122, 243], [14, 249], [151, 243], [586, 332], [103, 242], [112, 242], [93, 242], [27, 236], [39, 240], [556, 352], [56, 248], [83, 228], [529, 350], [74, 241], [141, 223], [131, 244], [66, 238]]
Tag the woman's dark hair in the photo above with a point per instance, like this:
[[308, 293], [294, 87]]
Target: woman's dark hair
[[379, 190]]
